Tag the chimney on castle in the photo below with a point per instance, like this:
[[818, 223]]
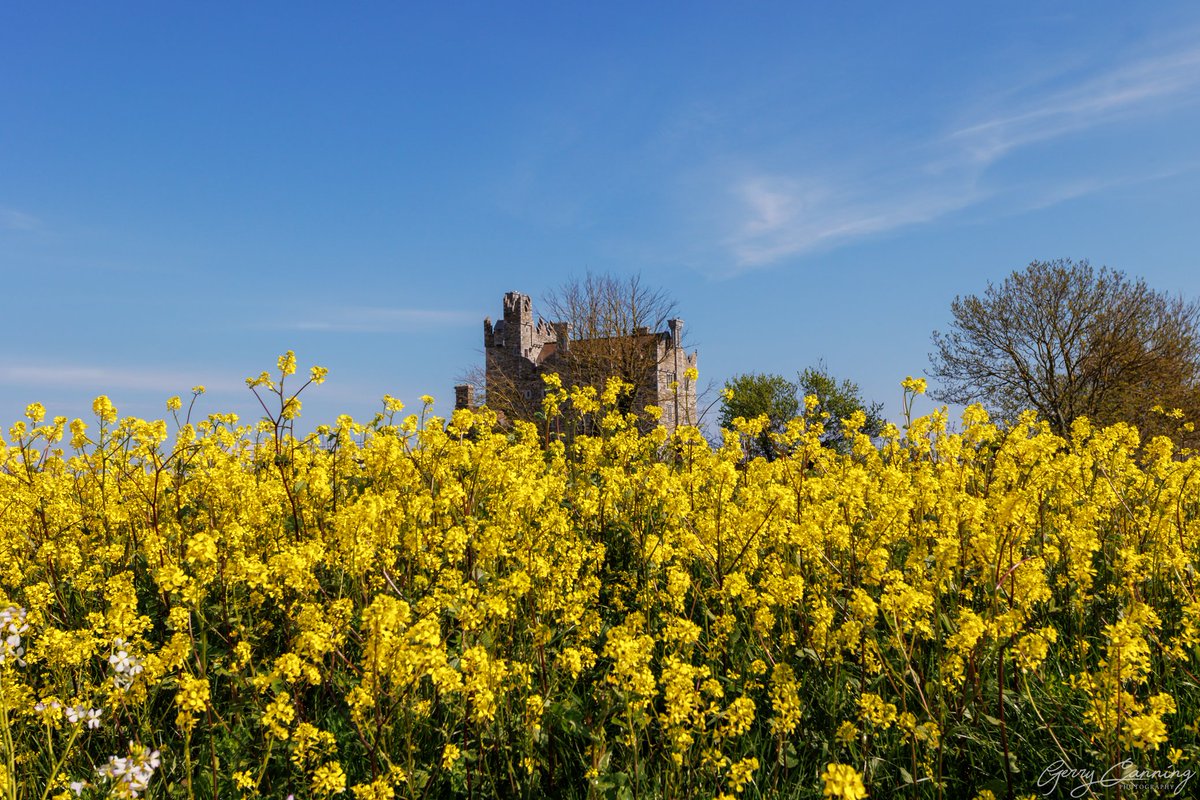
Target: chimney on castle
[[464, 396], [562, 335], [676, 328]]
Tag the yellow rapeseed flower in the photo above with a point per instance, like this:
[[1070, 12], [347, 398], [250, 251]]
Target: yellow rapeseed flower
[[842, 781]]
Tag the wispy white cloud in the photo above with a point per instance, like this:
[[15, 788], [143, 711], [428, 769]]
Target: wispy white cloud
[[782, 215], [375, 319], [786, 218], [14, 220], [1143, 87], [1047, 196]]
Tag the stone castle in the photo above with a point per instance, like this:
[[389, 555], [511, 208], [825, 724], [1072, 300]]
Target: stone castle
[[518, 351]]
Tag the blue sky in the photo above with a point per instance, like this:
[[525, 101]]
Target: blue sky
[[188, 190]]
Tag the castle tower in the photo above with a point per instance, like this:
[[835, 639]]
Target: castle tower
[[518, 323]]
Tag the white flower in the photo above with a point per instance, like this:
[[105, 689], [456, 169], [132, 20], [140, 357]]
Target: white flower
[[41, 706], [114, 769], [133, 771], [12, 620], [75, 713], [121, 661], [93, 717], [77, 787], [11, 647], [125, 665]]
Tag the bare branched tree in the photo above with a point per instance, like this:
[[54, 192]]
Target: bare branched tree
[[1068, 340], [612, 321], [607, 306]]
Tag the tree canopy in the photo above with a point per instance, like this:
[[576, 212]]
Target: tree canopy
[[755, 395], [758, 394], [1069, 340], [838, 400]]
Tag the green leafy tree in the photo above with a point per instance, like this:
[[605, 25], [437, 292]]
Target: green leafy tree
[[757, 394], [1068, 341], [839, 400]]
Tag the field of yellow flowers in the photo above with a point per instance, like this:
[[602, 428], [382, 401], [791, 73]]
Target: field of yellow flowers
[[421, 608]]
